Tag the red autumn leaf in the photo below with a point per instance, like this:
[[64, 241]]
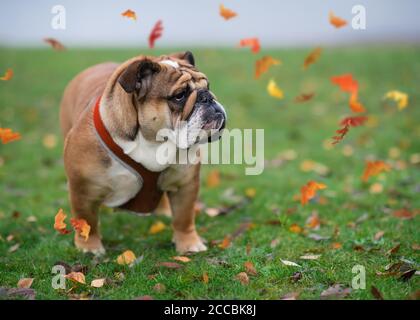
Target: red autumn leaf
[[373, 168], [309, 190], [226, 13], [304, 97], [346, 83], [312, 57], [253, 43], [7, 135], [346, 123], [156, 33], [7, 75], [337, 21], [55, 44], [403, 214]]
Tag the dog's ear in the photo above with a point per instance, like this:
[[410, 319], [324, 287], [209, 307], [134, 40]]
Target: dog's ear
[[136, 75], [186, 56]]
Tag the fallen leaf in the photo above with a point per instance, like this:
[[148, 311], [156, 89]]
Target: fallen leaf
[[182, 259], [225, 243], [313, 222], [404, 214], [304, 97], [25, 283], [336, 245], [243, 278], [289, 263], [127, 257], [296, 276], [376, 188], [98, 283], [59, 223], [76, 277], [379, 235], [317, 237], [81, 227], [155, 34], [14, 248], [274, 91], [309, 190], [253, 43], [157, 227], [415, 246], [336, 21], [205, 278], [376, 293], [8, 75], [310, 257], [290, 296], [295, 228], [213, 178], [226, 13], [262, 65], [374, 168], [129, 14], [7, 135], [159, 287], [393, 250], [212, 212], [250, 269], [407, 275], [169, 265], [312, 57], [399, 97], [335, 291], [55, 44]]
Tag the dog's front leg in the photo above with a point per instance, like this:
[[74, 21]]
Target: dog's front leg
[[182, 202]]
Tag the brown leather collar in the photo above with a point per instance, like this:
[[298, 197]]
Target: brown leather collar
[[147, 199]]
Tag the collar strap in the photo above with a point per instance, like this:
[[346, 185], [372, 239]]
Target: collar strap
[[149, 195]]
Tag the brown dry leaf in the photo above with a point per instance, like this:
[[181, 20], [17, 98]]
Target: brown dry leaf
[[205, 278], [76, 277], [55, 44], [157, 227], [304, 97], [379, 235], [182, 259], [25, 283], [376, 293], [335, 291], [213, 178], [403, 214], [126, 258], [394, 249], [169, 265], [159, 287], [336, 245], [290, 296], [312, 57], [250, 269], [98, 283], [243, 278]]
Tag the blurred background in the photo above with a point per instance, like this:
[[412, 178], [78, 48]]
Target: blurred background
[[286, 23]]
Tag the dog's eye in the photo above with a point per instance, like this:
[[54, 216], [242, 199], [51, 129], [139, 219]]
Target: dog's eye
[[179, 97]]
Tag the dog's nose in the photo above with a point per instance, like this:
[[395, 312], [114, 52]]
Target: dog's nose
[[204, 96]]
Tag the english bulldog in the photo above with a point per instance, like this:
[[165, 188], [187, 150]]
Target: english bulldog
[[111, 118]]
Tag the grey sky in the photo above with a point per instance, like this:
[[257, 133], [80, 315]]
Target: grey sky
[[197, 22]]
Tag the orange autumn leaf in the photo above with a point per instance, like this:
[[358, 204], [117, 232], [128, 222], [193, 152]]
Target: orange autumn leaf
[[313, 222], [373, 168], [7, 75], [312, 57], [337, 21], [213, 179], [295, 228], [25, 283], [355, 105], [129, 14], [253, 43], [262, 65], [155, 34], [7, 135], [346, 83], [81, 226], [55, 44], [309, 190], [127, 257], [76, 277], [182, 259], [205, 278], [59, 223], [336, 245], [225, 243], [157, 227], [304, 97], [226, 13], [250, 268]]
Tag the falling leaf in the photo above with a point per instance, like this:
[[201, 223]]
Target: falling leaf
[[226, 13], [374, 168], [262, 65], [55, 44], [169, 265], [310, 257], [349, 85], [155, 34], [355, 104], [399, 97], [243, 278], [376, 293], [289, 263], [404, 214], [225, 243], [59, 223], [336, 21], [157, 227], [81, 226], [335, 291], [76, 277], [379, 235], [309, 190], [346, 124], [250, 269], [129, 14], [182, 259], [127, 257], [205, 278], [295, 228], [250, 192], [25, 283], [313, 222], [98, 283], [274, 91], [213, 178], [7, 135], [253, 43], [304, 97], [336, 245], [8, 75], [312, 57], [49, 141]]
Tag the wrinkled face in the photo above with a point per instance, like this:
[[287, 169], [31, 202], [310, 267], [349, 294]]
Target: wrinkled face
[[170, 93]]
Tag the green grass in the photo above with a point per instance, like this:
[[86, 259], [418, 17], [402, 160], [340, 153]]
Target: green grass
[[32, 180]]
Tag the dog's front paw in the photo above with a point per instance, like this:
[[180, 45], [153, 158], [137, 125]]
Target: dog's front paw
[[188, 242], [92, 245]]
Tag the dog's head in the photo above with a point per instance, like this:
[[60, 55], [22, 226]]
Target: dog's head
[[168, 92]]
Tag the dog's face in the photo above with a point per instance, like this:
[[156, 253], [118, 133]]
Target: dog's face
[[168, 92]]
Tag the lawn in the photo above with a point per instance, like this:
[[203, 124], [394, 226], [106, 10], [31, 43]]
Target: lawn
[[33, 184]]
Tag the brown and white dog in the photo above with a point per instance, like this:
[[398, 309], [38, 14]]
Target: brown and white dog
[[110, 117]]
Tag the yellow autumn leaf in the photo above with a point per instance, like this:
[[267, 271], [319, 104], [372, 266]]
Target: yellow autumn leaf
[[157, 227], [213, 179], [274, 91], [399, 97], [250, 192], [127, 257]]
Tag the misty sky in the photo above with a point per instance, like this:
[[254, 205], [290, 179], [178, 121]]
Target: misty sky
[[277, 23]]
